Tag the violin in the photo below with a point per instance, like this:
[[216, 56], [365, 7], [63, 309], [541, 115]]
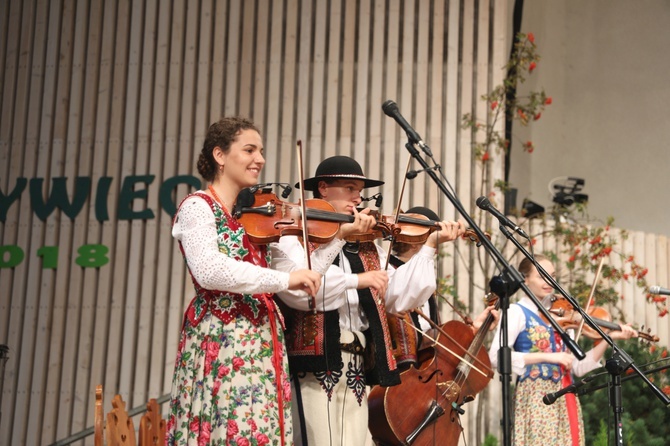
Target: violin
[[568, 318], [266, 218]]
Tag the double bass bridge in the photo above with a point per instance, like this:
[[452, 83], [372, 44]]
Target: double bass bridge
[[449, 389]]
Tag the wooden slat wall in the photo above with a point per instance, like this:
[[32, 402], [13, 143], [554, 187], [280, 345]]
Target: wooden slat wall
[[117, 88]]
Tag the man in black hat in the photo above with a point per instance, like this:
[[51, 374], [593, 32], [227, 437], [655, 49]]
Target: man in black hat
[[341, 348]]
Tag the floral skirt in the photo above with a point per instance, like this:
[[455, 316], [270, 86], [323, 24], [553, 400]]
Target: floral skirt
[[536, 423], [224, 389]]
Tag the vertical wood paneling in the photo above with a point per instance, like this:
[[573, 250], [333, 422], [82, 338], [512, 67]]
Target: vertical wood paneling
[[26, 131], [348, 69], [118, 88], [66, 157], [162, 330], [333, 85], [302, 111], [91, 283], [395, 156], [179, 287], [142, 268], [361, 85]]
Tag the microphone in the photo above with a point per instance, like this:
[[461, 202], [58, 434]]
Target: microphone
[[287, 191], [377, 197], [484, 204], [549, 398], [658, 290], [413, 173], [391, 109]]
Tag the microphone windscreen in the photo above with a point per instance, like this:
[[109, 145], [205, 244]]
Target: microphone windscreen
[[483, 202], [389, 107]]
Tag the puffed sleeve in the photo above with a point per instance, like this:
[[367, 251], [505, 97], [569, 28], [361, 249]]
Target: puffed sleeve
[[195, 228], [516, 323], [334, 282], [412, 284]]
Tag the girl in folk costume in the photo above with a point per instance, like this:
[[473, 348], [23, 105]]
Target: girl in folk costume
[[230, 383], [543, 365]]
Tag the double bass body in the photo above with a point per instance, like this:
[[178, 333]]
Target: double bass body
[[424, 408]]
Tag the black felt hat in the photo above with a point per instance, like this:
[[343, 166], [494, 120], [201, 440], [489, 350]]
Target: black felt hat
[[423, 211], [338, 167]]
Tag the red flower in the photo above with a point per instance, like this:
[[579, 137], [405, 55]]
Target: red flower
[[659, 299], [232, 429], [531, 67], [286, 388], [571, 259], [537, 116], [262, 439], [241, 441], [548, 101], [607, 250], [216, 387], [194, 425], [644, 272], [652, 349], [663, 312], [533, 241], [223, 371], [596, 239], [237, 363], [544, 345], [205, 431], [625, 276], [486, 156], [630, 259], [494, 104], [531, 37], [211, 352], [664, 353]]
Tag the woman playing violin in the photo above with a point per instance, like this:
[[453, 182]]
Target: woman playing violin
[[327, 349], [543, 366], [230, 382]]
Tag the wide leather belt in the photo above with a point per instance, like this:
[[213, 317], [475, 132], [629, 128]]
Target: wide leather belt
[[354, 347]]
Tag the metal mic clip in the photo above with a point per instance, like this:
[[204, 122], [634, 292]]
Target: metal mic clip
[[377, 197], [410, 175]]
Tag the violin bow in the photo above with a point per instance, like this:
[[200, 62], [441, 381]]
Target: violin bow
[[303, 216], [396, 213], [589, 301], [447, 349]]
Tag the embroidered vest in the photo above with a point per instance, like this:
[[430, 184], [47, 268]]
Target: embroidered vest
[[313, 338], [233, 241], [539, 337]]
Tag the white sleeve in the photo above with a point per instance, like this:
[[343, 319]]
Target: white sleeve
[[516, 323], [581, 368], [195, 228], [412, 284], [334, 282]]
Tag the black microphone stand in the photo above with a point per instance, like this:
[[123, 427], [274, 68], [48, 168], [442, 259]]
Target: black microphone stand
[[616, 365], [513, 281]]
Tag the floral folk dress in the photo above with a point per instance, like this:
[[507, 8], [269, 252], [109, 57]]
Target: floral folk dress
[[225, 389], [536, 423]]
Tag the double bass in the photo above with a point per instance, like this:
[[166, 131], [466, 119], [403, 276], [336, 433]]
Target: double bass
[[424, 408]]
